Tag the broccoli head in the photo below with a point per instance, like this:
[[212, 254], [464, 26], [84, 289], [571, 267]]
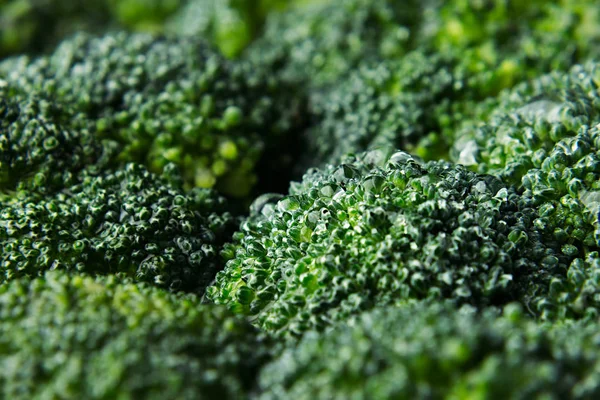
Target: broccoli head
[[169, 101], [544, 137], [436, 351], [73, 336], [129, 222], [352, 236]]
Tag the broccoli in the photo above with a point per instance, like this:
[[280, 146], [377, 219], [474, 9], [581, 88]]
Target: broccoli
[[319, 42], [44, 145], [543, 137], [170, 101], [357, 235], [129, 222], [72, 336], [434, 351], [299, 199], [35, 25], [416, 99], [393, 103]]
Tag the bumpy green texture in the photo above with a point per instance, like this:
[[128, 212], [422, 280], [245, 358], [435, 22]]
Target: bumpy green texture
[[319, 43], [544, 137], [43, 146], [80, 337], [129, 222], [356, 235], [399, 104], [169, 101], [502, 42], [437, 352], [575, 294]]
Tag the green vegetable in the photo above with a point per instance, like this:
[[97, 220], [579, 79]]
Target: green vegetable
[[170, 101], [320, 42], [436, 351], [43, 145], [128, 222], [71, 336], [358, 235], [398, 103], [543, 137], [34, 25]]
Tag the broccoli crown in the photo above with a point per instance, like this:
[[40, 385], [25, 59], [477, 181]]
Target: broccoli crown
[[436, 351], [168, 101], [352, 236], [319, 42], [73, 336], [129, 222], [501, 43], [544, 137], [43, 145], [390, 103]]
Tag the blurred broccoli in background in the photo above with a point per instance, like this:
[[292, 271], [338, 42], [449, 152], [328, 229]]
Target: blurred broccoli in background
[[436, 351], [70, 336]]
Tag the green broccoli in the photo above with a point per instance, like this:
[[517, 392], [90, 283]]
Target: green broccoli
[[319, 42], [43, 145], [170, 101], [438, 352], [544, 138], [357, 235], [129, 222], [231, 25], [393, 103], [503, 42], [71, 336]]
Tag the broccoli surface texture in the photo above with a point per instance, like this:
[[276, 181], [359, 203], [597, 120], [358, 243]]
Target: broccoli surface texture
[[305, 199]]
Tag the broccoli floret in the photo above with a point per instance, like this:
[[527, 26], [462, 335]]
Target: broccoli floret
[[170, 101], [317, 43], [356, 235], [544, 137], [71, 336], [129, 222], [43, 146], [388, 103], [436, 351]]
